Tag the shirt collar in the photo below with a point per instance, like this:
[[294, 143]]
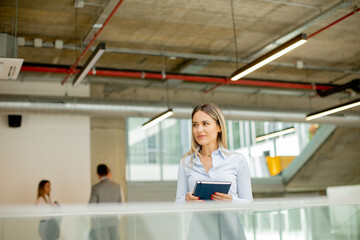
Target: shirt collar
[[220, 151], [103, 178]]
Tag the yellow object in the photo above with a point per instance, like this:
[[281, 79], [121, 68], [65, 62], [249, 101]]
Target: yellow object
[[278, 163]]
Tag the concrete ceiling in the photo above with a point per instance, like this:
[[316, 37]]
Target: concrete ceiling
[[196, 37]]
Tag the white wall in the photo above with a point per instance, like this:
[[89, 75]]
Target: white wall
[[45, 147], [53, 147]]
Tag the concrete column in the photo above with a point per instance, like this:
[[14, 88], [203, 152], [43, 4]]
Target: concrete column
[[108, 146]]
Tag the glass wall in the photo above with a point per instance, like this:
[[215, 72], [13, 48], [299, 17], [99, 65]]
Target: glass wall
[[295, 220], [154, 154]]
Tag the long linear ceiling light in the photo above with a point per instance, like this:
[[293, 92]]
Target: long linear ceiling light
[[275, 134], [100, 49], [158, 119], [332, 110], [270, 56]]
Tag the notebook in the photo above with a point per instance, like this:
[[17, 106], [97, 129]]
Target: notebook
[[204, 189]]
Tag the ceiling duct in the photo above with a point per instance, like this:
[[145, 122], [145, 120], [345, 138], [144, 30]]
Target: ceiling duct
[[16, 104]]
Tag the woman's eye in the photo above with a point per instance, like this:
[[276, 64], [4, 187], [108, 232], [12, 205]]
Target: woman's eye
[[194, 125]]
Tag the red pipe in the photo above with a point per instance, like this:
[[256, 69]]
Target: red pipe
[[112, 73], [72, 69], [281, 84], [333, 23], [191, 78], [194, 78], [151, 75], [43, 69]]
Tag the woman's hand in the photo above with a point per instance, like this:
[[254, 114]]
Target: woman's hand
[[190, 197], [221, 197]]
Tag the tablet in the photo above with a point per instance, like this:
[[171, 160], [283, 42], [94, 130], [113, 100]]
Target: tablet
[[204, 189]]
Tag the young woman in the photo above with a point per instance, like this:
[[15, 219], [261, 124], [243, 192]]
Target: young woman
[[49, 228], [209, 159], [43, 194]]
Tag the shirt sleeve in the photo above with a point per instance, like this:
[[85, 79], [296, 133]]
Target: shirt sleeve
[[243, 178], [182, 184]]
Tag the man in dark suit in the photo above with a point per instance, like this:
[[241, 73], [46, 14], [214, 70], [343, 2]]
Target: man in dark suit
[[105, 191]]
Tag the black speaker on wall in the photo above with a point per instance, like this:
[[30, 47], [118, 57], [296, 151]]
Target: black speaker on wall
[[14, 121]]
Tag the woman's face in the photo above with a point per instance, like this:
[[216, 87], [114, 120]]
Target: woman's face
[[205, 129], [47, 188]]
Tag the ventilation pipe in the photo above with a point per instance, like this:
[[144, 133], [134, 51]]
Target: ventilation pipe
[[16, 104]]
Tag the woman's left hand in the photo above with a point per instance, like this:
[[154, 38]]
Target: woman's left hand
[[221, 197]]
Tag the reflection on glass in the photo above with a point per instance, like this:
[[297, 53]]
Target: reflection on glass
[[297, 221], [49, 228], [104, 228], [216, 226]]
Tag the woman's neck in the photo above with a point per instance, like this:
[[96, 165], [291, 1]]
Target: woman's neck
[[206, 150]]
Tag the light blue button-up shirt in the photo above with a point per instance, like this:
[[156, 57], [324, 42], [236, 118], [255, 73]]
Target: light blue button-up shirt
[[227, 166]]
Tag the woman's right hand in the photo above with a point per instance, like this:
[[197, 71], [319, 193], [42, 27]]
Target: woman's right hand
[[190, 197]]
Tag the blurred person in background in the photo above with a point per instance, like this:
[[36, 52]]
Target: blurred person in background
[[49, 228], [43, 194], [105, 191]]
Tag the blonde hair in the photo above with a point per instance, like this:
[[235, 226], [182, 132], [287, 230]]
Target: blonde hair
[[215, 113]]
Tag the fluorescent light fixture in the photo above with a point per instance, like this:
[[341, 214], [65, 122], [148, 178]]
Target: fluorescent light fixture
[[158, 119], [100, 49], [275, 134], [270, 56], [332, 110]]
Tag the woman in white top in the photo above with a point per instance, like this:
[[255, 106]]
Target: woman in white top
[[209, 159], [48, 227], [43, 194]]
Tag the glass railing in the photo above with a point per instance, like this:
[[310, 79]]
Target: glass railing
[[290, 220]]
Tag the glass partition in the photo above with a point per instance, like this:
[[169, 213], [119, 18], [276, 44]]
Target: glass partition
[[310, 219], [154, 154]]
